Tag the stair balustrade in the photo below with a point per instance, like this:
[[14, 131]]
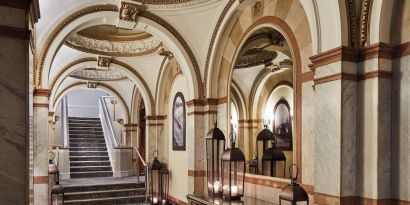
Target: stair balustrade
[[64, 121]]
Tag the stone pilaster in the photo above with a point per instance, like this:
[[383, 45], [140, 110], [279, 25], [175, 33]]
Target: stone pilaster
[[335, 127], [374, 122], [131, 135], [41, 145], [154, 131], [14, 109]]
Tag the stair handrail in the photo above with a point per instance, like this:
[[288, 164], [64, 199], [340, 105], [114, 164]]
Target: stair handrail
[[106, 120], [146, 166], [64, 121]]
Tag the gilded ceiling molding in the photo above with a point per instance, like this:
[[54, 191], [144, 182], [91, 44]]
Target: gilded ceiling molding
[[59, 28], [108, 37], [213, 38], [365, 22], [351, 13], [120, 49], [94, 74], [114, 8], [104, 61], [129, 11], [173, 4]]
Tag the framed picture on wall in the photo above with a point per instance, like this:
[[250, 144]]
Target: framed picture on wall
[[282, 123], [179, 123]]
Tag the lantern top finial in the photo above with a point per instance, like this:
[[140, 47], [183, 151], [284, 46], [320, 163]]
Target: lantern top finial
[[294, 192], [215, 133]]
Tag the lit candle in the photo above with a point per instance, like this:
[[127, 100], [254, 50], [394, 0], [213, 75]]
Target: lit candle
[[155, 200], [217, 184], [234, 190], [164, 202]]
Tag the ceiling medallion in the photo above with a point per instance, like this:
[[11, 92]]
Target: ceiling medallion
[[283, 66], [95, 74], [255, 57], [114, 48]]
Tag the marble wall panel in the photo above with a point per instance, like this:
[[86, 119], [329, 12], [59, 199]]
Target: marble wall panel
[[348, 139], [400, 163], [14, 122], [328, 137], [308, 133]]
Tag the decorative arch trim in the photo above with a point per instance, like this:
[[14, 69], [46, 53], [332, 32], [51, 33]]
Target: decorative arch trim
[[114, 8], [78, 84]]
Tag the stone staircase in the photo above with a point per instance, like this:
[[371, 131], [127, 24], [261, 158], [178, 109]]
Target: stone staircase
[[88, 151], [107, 193]]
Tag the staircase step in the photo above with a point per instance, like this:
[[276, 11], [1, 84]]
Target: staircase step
[[108, 200], [84, 124], [88, 153], [89, 158], [88, 140], [90, 163], [91, 129], [104, 194], [86, 144], [91, 174], [89, 168], [102, 187], [88, 148], [86, 136], [85, 132]]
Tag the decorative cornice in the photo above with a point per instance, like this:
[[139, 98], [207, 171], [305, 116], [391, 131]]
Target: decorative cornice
[[209, 112], [403, 50], [59, 28], [42, 92], [40, 179], [156, 117], [207, 101], [111, 48], [14, 32], [353, 77], [378, 50], [334, 55], [42, 105]]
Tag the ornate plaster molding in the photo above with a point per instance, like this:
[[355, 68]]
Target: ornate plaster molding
[[97, 75], [104, 61], [365, 21], [173, 4], [351, 13], [59, 28], [112, 48], [130, 11]]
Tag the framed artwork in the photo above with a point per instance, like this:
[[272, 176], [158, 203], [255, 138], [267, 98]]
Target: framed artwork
[[179, 123], [282, 123]]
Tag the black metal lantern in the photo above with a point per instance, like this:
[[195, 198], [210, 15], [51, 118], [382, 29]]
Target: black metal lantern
[[233, 173], [155, 179], [270, 158], [215, 145], [262, 144], [164, 184], [293, 192]]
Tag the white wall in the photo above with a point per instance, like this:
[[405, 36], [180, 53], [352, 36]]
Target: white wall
[[178, 160], [83, 102]]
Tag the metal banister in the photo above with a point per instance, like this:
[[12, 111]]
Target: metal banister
[[64, 121]]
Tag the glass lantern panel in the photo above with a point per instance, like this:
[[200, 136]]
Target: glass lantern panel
[[214, 151], [155, 187], [233, 179], [164, 187], [261, 146]]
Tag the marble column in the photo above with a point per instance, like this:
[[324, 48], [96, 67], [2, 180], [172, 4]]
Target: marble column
[[196, 149], [41, 146], [51, 129], [14, 109], [374, 125], [154, 131], [335, 127]]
